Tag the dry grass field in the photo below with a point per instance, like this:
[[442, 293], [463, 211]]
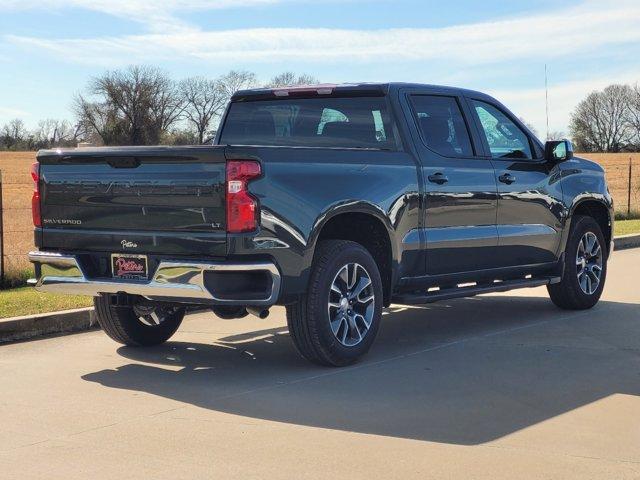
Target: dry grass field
[[17, 189], [617, 167], [17, 225]]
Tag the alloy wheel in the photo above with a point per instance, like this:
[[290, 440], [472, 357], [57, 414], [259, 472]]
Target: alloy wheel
[[153, 315], [351, 304], [589, 263]]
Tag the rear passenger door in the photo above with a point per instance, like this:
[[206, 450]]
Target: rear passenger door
[[529, 191], [460, 190]]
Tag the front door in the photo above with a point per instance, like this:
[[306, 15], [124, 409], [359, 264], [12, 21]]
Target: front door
[[460, 189], [529, 192]]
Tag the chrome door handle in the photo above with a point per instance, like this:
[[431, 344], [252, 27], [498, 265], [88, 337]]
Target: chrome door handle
[[438, 178], [507, 178]]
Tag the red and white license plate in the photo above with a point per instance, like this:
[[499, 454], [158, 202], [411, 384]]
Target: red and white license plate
[[129, 266]]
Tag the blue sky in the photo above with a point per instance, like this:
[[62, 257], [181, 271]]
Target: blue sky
[[50, 48]]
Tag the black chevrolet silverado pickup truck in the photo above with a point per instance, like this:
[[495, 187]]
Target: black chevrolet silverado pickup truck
[[333, 200]]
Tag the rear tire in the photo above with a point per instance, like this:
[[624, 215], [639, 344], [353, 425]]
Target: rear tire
[[585, 267], [144, 324], [337, 320]]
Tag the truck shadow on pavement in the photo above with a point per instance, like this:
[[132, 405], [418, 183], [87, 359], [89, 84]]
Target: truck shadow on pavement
[[462, 372]]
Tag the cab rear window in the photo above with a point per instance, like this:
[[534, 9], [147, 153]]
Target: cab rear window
[[352, 122]]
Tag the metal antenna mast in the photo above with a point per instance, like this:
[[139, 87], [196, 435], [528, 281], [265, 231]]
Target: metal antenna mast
[[546, 96]]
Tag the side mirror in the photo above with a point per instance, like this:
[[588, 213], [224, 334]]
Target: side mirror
[[558, 150]]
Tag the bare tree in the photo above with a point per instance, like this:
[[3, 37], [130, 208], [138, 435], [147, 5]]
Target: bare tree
[[54, 133], [203, 101], [102, 122], [286, 79], [600, 122], [133, 106], [236, 80], [556, 135], [166, 105], [633, 115], [14, 134]]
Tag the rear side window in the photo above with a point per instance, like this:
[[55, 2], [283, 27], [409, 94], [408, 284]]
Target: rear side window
[[505, 138], [357, 122], [442, 124]]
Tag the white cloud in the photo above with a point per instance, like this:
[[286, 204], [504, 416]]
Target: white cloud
[[577, 30], [160, 16], [8, 112]]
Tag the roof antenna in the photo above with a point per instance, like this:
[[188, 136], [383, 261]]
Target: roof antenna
[[546, 97]]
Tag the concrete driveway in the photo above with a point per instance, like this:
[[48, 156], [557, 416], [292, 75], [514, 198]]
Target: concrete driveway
[[500, 386]]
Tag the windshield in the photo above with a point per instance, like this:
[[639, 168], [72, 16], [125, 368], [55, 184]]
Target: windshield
[[355, 122]]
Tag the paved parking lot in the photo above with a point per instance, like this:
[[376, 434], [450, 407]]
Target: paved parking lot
[[500, 386]]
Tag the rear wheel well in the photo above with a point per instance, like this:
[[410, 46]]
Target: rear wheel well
[[369, 232], [600, 214]]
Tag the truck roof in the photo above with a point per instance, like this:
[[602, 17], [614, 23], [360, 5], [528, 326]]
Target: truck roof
[[355, 89]]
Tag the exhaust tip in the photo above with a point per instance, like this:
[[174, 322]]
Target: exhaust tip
[[258, 312]]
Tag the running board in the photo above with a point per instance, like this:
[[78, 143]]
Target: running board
[[421, 297]]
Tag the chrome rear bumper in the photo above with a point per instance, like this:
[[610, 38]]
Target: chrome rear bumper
[[179, 281]]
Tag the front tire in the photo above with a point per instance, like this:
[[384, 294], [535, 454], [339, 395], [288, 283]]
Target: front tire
[[337, 320], [585, 267], [141, 324]]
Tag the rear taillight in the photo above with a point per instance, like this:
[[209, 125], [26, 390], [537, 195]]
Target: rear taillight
[[242, 207], [35, 198]]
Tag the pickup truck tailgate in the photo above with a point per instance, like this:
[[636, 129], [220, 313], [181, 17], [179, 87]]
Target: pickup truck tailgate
[[152, 200]]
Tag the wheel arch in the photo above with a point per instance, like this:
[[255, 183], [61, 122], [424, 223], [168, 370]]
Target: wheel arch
[[600, 211], [367, 225]]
